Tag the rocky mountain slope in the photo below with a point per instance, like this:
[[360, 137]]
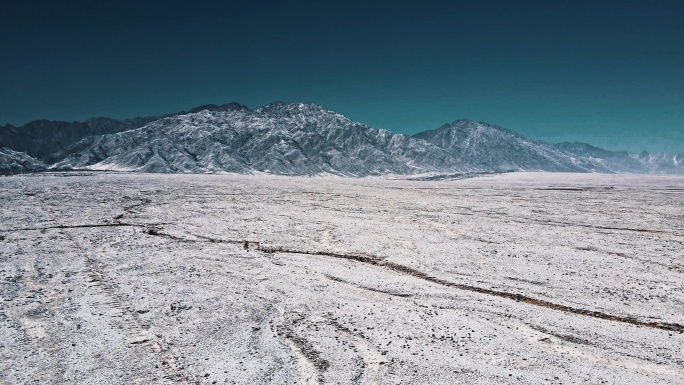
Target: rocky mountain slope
[[489, 147], [40, 138], [306, 139], [13, 161], [280, 138], [622, 161]]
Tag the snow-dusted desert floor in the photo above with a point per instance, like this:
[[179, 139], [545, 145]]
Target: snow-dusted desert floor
[[518, 278]]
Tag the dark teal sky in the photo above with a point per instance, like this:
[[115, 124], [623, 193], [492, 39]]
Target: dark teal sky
[[607, 73]]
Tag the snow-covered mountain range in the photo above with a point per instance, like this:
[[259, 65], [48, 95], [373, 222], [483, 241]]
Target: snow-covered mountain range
[[305, 139], [488, 147], [280, 138], [622, 161], [13, 161]]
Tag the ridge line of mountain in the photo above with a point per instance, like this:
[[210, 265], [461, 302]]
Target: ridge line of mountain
[[302, 139]]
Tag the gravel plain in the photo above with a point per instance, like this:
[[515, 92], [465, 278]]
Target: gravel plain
[[521, 278]]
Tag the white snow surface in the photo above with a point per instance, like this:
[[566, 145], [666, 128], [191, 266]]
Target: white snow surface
[[114, 278]]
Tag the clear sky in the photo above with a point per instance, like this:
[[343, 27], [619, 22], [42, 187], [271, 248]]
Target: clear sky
[[610, 73]]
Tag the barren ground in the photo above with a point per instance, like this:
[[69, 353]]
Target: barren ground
[[215, 279]]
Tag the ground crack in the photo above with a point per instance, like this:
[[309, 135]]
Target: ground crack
[[369, 288], [380, 262], [84, 226]]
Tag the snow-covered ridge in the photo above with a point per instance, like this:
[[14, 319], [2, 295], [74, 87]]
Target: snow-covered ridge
[[307, 139], [280, 138], [13, 161]]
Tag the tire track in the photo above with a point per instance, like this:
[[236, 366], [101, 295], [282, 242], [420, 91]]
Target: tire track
[[310, 364], [371, 356], [134, 208], [135, 331]]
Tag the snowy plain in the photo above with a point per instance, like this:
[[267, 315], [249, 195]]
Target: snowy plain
[[520, 278]]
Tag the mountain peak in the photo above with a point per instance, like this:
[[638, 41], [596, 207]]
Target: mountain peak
[[463, 121], [232, 106], [463, 125], [292, 107], [471, 124]]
